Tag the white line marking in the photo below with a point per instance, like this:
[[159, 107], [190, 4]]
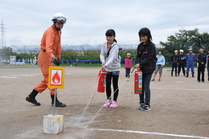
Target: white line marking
[[7, 77], [151, 133], [181, 89]]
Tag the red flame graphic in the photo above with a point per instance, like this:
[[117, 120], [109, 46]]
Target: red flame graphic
[[56, 78]]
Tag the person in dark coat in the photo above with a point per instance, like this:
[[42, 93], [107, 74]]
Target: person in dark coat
[[174, 60], [146, 61], [201, 60], [182, 62]]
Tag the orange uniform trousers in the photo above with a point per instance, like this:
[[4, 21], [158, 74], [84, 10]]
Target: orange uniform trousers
[[45, 62]]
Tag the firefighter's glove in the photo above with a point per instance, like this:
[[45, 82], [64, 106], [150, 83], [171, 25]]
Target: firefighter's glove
[[59, 62], [56, 61]]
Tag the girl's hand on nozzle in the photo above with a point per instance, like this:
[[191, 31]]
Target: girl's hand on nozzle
[[137, 66], [104, 66], [103, 63]]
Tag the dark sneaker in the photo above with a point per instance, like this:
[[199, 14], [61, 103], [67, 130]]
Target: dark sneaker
[[147, 107], [33, 101], [141, 106], [59, 104], [153, 79], [158, 80]]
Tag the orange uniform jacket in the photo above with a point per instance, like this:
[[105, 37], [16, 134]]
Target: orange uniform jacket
[[51, 42]]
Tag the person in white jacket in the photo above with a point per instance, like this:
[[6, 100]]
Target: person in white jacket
[[110, 59]]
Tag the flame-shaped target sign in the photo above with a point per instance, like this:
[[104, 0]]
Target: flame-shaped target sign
[[56, 77]]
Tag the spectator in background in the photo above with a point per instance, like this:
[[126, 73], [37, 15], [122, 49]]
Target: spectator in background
[[182, 62], [159, 65], [128, 65], [190, 57], [207, 64], [174, 60], [201, 60]]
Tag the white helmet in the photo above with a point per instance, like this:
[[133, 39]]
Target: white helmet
[[190, 49], [128, 54], [175, 51], [59, 18], [181, 50]]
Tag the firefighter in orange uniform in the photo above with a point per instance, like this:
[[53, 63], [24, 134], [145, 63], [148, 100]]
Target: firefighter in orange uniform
[[49, 55]]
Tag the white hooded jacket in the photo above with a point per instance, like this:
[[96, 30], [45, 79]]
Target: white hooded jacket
[[112, 62]]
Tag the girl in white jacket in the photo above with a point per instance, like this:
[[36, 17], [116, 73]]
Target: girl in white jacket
[[111, 62]]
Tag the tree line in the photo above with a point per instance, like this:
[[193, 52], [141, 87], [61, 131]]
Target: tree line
[[185, 39]]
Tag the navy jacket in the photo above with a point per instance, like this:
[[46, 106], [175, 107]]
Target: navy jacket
[[182, 59], [175, 58], [201, 58], [207, 60], [146, 57]]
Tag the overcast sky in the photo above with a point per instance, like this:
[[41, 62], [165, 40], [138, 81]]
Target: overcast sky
[[87, 20]]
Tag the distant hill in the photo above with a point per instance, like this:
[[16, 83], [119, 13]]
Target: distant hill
[[36, 48]]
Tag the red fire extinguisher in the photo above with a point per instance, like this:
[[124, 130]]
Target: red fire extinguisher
[[101, 81], [138, 82]]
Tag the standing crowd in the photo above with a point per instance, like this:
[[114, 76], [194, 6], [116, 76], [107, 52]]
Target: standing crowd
[[180, 61]]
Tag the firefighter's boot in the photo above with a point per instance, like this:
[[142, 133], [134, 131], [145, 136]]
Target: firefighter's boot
[[31, 98], [57, 103]]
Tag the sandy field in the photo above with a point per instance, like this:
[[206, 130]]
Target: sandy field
[[179, 108]]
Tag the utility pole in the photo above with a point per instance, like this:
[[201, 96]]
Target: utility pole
[[3, 40]]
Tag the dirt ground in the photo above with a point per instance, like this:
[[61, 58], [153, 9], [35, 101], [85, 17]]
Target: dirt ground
[[180, 108]]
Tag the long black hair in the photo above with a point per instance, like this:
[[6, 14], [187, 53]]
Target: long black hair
[[145, 32], [110, 32]]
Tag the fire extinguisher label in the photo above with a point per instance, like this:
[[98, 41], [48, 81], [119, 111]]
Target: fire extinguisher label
[[105, 81], [140, 80]]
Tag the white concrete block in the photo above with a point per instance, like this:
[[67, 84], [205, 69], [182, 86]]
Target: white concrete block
[[53, 124]]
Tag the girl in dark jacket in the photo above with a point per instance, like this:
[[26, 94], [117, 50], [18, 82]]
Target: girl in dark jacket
[[146, 61]]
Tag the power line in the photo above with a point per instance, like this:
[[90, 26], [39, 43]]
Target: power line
[[3, 40]]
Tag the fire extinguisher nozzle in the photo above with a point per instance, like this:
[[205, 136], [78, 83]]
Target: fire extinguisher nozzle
[[132, 70]]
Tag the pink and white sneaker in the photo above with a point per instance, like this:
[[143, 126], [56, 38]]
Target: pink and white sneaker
[[114, 104], [107, 104]]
